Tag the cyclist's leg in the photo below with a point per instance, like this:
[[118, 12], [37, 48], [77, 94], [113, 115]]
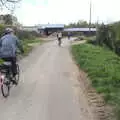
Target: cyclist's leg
[[58, 40], [8, 59], [14, 66]]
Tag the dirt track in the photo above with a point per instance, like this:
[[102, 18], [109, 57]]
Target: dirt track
[[49, 88]]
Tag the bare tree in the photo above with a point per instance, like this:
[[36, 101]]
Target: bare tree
[[9, 4]]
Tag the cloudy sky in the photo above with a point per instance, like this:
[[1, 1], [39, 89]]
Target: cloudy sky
[[31, 12]]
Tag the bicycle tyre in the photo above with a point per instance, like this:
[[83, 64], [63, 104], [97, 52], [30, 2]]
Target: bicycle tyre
[[17, 77], [7, 86]]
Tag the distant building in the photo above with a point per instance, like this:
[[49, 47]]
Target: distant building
[[50, 28], [79, 29], [85, 31]]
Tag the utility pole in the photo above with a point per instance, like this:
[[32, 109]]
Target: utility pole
[[97, 23], [90, 16]]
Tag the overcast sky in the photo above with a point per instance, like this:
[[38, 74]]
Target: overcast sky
[[33, 12]]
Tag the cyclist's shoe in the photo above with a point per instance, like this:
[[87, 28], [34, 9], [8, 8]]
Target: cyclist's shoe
[[14, 81]]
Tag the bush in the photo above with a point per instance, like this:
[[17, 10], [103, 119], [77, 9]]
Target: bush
[[22, 34], [109, 35], [2, 28], [106, 36], [103, 68], [80, 38], [92, 42]]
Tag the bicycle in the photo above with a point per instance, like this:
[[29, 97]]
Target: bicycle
[[6, 78]]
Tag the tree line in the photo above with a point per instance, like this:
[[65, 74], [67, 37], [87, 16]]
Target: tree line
[[81, 24]]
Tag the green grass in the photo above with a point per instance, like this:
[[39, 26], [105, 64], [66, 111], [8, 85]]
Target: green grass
[[103, 69], [26, 41], [90, 38], [27, 49], [27, 45]]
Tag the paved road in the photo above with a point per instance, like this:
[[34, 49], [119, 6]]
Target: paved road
[[47, 88]]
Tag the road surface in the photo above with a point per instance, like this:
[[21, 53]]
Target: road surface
[[47, 88]]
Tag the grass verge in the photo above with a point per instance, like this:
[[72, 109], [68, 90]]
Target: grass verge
[[29, 44], [103, 69]]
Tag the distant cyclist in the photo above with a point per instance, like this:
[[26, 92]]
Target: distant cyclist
[[59, 37], [8, 48], [69, 35]]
